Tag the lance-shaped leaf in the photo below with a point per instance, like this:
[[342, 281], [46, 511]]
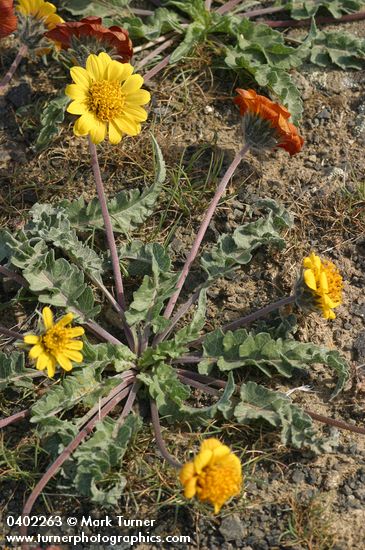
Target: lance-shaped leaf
[[51, 224], [51, 118], [151, 27], [20, 251], [101, 9], [103, 355], [149, 298], [338, 48], [56, 434], [128, 209], [82, 386], [247, 349], [260, 404], [303, 9], [98, 460], [236, 249], [166, 389], [14, 372], [58, 283], [137, 258]]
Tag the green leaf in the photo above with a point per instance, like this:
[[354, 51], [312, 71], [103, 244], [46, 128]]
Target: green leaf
[[166, 389], [338, 48], [261, 404], [241, 348], [128, 209], [195, 8], [19, 250], [138, 258], [149, 298], [56, 434], [58, 283], [150, 28], [191, 331], [195, 34], [99, 8], [303, 9], [14, 372], [82, 386], [103, 355], [51, 224], [98, 460], [237, 249], [51, 118]]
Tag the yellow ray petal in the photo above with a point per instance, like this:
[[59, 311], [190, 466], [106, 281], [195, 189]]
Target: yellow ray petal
[[115, 135], [132, 84], [98, 132], [81, 77], [73, 355], [36, 351], [78, 108], [75, 332], [31, 339], [64, 361], [141, 97], [76, 345], [47, 318]]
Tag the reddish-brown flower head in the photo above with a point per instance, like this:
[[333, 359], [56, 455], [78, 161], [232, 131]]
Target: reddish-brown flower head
[[91, 27], [8, 19], [276, 115]]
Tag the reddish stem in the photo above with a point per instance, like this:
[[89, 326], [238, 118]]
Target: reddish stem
[[66, 453], [14, 418], [162, 47], [111, 242], [161, 65], [203, 228], [13, 67], [319, 20], [159, 439]]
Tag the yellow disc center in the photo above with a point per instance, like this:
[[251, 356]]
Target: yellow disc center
[[55, 339], [106, 100]]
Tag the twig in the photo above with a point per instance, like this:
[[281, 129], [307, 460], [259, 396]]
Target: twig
[[14, 418], [10, 333], [243, 321], [152, 43], [152, 72], [155, 52], [203, 228], [319, 20], [187, 360], [13, 67], [13, 275], [199, 385], [159, 440], [53, 469], [111, 241]]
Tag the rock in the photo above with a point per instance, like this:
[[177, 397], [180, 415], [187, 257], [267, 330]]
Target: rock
[[298, 476], [232, 528], [324, 115], [19, 95], [359, 346]]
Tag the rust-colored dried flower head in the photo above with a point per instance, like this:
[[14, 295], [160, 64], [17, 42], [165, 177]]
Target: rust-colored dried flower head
[[89, 34], [8, 19], [266, 124]]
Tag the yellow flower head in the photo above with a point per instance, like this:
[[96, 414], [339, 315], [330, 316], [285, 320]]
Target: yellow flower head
[[325, 283], [56, 345], [40, 10], [108, 97], [215, 474]]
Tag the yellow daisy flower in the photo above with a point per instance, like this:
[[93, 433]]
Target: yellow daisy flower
[[40, 10], [325, 282], [108, 97], [56, 345], [215, 474]]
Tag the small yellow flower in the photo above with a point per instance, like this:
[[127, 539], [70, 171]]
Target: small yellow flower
[[108, 97], [57, 344], [215, 474], [40, 10], [325, 284]]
